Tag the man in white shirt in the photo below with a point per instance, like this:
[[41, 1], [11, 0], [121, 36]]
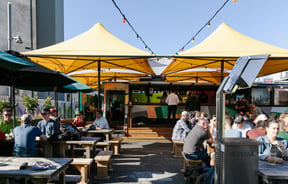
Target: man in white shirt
[[172, 101], [100, 121]]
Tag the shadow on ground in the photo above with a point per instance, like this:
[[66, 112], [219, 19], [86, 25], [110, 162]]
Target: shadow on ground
[[145, 162]]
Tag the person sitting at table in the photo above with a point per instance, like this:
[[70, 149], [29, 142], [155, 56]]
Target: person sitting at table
[[257, 132], [229, 131], [283, 133], [181, 129], [100, 121], [272, 149], [48, 126], [193, 144], [54, 115], [24, 136], [79, 121], [240, 125], [6, 124]]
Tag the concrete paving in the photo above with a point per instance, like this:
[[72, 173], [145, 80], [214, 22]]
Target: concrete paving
[[145, 163]]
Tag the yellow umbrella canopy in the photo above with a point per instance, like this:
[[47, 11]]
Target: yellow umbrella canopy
[[222, 49], [199, 76], [91, 77], [87, 49]]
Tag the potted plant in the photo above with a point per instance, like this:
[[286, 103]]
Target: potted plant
[[4, 104], [30, 103], [48, 103]]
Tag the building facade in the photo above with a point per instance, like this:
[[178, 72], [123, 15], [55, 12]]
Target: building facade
[[39, 23]]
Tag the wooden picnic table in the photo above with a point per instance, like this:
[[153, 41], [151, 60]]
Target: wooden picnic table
[[10, 169], [273, 173], [106, 132], [86, 142]]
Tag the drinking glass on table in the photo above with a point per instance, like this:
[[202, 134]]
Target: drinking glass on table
[[272, 158]]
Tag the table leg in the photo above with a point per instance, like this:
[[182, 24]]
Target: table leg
[[87, 152], [62, 150], [62, 178]]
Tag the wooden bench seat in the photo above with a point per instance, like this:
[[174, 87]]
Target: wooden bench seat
[[102, 159], [116, 145], [188, 162], [83, 166], [177, 148], [69, 179], [104, 144]]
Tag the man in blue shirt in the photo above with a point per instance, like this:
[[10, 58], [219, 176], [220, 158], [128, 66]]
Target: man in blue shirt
[[24, 136], [48, 126]]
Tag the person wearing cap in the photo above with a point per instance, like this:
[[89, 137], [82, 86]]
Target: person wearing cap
[[47, 125], [24, 136], [6, 124], [181, 129], [193, 144], [239, 124], [260, 117], [54, 115]]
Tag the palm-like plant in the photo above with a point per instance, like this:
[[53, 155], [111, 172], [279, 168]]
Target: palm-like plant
[[30, 103]]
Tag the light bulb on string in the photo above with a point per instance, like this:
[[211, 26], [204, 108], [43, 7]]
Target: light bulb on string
[[137, 37], [208, 25], [145, 47], [124, 20], [193, 40], [182, 49], [234, 1]]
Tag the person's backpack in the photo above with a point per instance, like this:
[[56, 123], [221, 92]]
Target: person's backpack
[[70, 132]]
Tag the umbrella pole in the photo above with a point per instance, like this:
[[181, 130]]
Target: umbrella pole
[[13, 105], [55, 99], [99, 87], [222, 70], [71, 100]]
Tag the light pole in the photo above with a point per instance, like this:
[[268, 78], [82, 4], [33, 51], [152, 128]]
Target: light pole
[[18, 40], [10, 38]]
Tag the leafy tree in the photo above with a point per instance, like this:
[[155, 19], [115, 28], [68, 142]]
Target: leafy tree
[[4, 104], [30, 103], [48, 103]]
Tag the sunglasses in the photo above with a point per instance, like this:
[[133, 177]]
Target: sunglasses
[[7, 114]]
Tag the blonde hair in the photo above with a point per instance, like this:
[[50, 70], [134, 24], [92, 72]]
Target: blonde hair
[[282, 116]]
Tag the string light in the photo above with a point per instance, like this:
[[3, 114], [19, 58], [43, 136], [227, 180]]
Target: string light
[[208, 24], [124, 20]]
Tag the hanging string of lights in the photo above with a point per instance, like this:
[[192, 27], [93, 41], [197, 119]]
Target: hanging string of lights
[[207, 24], [124, 20]]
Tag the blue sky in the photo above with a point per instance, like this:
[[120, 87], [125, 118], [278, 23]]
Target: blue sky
[[166, 25]]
